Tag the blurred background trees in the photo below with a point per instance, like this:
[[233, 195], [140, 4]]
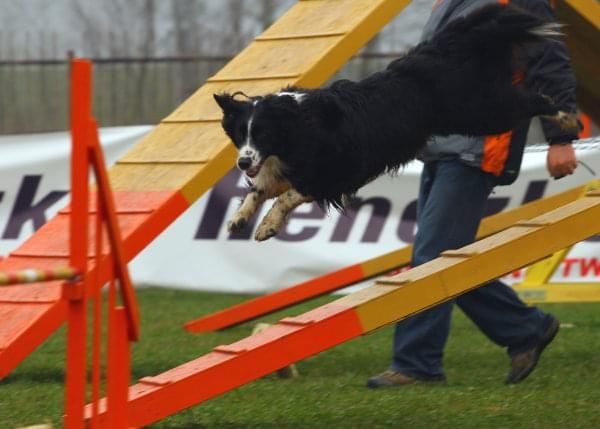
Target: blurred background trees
[[149, 55]]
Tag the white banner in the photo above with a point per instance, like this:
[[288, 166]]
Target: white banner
[[34, 177], [196, 252]]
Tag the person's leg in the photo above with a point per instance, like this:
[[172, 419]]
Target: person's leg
[[500, 314], [525, 331], [451, 203]]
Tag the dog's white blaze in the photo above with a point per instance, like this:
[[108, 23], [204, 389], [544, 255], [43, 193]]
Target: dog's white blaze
[[248, 136], [248, 150], [298, 96]]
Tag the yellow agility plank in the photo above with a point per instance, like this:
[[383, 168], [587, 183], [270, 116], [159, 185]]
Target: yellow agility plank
[[559, 292], [489, 225], [583, 35], [189, 152], [536, 286], [539, 274], [456, 272]]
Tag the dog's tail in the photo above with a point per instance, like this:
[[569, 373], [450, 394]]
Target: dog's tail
[[549, 29], [498, 25]]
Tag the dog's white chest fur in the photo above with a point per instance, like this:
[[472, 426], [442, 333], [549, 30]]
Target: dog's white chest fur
[[269, 175]]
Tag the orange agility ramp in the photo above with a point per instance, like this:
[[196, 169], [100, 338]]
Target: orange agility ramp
[[362, 271], [386, 301], [186, 154]]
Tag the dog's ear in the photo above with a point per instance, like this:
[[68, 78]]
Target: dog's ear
[[227, 103]]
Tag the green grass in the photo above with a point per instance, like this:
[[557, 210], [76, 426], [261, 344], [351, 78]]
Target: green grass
[[563, 392]]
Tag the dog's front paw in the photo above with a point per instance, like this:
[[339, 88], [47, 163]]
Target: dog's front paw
[[265, 231], [237, 224]]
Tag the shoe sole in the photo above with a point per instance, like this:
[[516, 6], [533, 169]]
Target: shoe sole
[[528, 370]]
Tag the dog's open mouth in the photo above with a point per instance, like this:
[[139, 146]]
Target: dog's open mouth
[[253, 171]]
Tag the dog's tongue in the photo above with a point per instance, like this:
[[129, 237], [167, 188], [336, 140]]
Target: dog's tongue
[[252, 172]]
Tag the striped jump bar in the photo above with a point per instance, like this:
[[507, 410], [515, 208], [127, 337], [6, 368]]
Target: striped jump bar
[[36, 276]]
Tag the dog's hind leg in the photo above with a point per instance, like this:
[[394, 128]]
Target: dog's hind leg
[[275, 218], [543, 105], [250, 205], [566, 120]]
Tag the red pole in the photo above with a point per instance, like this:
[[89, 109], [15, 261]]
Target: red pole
[[97, 329], [123, 322], [114, 234], [118, 373], [81, 106]]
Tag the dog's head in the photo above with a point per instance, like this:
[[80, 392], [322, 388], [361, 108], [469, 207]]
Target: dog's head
[[259, 127]]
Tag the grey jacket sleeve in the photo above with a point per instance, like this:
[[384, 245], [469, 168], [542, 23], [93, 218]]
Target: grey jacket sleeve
[[548, 68]]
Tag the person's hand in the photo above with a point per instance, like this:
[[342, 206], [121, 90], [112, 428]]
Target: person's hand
[[561, 160]]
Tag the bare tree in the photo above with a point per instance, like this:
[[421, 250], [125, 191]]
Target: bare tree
[[149, 39], [267, 13], [89, 28], [133, 20], [148, 50], [236, 17], [186, 14]]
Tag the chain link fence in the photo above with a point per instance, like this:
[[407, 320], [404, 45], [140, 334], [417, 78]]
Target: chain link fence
[[127, 91]]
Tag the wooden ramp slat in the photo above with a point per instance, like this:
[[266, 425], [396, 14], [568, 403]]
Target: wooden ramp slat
[[177, 142], [407, 293], [25, 325], [188, 152]]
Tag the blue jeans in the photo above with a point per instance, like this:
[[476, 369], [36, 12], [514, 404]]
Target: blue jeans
[[452, 199]]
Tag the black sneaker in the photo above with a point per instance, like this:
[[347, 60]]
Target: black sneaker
[[523, 364]]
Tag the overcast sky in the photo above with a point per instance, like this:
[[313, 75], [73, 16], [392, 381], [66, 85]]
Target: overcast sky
[[34, 29]]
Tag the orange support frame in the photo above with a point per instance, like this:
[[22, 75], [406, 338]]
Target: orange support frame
[[277, 300], [78, 238], [123, 323]]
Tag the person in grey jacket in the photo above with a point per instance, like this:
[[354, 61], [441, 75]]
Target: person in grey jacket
[[458, 175]]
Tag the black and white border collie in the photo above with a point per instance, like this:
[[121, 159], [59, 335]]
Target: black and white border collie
[[322, 145]]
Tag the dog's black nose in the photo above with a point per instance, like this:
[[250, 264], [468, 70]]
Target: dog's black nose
[[244, 163]]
